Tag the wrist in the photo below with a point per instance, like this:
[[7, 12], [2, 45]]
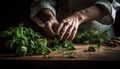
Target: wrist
[[81, 18], [89, 14]]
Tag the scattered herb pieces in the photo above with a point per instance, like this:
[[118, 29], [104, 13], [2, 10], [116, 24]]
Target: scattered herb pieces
[[71, 55], [92, 48]]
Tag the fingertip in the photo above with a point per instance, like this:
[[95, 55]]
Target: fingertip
[[59, 38], [71, 39]]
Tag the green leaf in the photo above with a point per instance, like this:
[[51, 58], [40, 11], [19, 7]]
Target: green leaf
[[21, 51], [71, 55], [45, 50], [43, 42]]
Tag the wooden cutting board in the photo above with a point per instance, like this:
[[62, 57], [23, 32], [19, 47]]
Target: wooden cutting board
[[104, 53]]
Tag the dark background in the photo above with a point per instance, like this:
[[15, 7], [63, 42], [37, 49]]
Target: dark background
[[116, 25], [12, 12]]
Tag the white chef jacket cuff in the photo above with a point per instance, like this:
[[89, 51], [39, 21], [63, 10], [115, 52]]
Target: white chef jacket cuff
[[41, 6]]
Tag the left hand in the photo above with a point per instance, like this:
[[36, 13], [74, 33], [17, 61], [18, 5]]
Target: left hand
[[68, 27]]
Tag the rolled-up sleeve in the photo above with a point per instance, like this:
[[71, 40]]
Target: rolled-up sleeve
[[38, 5], [111, 9]]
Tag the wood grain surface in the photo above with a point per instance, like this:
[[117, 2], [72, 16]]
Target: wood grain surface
[[104, 53]]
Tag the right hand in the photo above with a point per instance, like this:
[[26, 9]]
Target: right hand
[[50, 21]]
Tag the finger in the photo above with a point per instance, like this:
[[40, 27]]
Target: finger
[[55, 27], [49, 29], [59, 27], [68, 32], [63, 30], [65, 20], [72, 34]]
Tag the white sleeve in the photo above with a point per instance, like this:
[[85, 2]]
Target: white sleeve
[[111, 8], [115, 8], [38, 5]]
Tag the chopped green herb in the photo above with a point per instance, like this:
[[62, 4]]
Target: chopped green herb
[[23, 40], [92, 48], [71, 55], [92, 36]]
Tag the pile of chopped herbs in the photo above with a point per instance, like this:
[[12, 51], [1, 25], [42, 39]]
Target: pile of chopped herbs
[[92, 36], [23, 40], [57, 45]]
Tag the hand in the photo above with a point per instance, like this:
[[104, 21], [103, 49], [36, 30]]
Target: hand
[[50, 21], [50, 26], [68, 27]]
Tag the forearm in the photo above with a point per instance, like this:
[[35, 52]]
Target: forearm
[[91, 13], [45, 15]]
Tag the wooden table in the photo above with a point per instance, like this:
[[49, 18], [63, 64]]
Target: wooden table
[[105, 55]]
